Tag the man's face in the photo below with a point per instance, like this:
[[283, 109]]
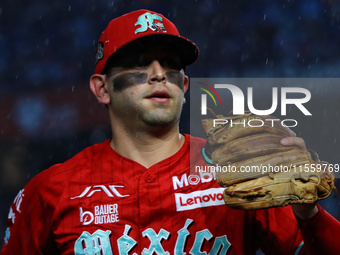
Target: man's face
[[147, 87]]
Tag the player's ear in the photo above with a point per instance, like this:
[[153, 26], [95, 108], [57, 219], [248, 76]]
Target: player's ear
[[186, 83], [97, 85]]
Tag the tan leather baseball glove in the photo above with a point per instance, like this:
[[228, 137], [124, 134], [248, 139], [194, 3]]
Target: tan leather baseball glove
[[256, 170]]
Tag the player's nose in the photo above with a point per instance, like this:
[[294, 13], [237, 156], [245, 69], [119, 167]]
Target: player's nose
[[157, 73]]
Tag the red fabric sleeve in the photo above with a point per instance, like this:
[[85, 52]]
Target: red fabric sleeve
[[281, 232], [29, 224], [321, 234], [277, 230]]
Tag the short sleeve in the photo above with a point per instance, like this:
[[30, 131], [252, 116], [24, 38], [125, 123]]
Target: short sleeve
[[30, 220]]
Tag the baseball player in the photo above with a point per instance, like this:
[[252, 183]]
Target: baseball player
[[135, 193]]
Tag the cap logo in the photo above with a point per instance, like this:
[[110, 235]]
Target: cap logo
[[150, 21], [99, 52]]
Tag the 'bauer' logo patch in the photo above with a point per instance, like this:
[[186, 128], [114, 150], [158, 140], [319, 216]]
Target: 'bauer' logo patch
[[150, 21]]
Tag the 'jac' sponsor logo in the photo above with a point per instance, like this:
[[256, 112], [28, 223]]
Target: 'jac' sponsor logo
[[192, 179], [110, 191], [200, 198]]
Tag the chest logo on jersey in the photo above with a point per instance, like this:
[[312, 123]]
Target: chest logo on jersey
[[198, 199], [101, 214], [110, 191], [99, 242], [192, 179]]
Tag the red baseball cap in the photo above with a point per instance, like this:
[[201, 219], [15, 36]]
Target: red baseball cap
[[138, 27]]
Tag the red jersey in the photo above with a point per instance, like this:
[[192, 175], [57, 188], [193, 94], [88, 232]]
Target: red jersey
[[99, 202]]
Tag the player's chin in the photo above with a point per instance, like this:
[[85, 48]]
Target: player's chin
[[161, 116]]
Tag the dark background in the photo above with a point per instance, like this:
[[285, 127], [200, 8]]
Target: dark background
[[48, 113]]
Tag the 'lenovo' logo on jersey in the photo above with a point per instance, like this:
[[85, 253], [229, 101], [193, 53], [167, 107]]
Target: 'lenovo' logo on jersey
[[110, 192]]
